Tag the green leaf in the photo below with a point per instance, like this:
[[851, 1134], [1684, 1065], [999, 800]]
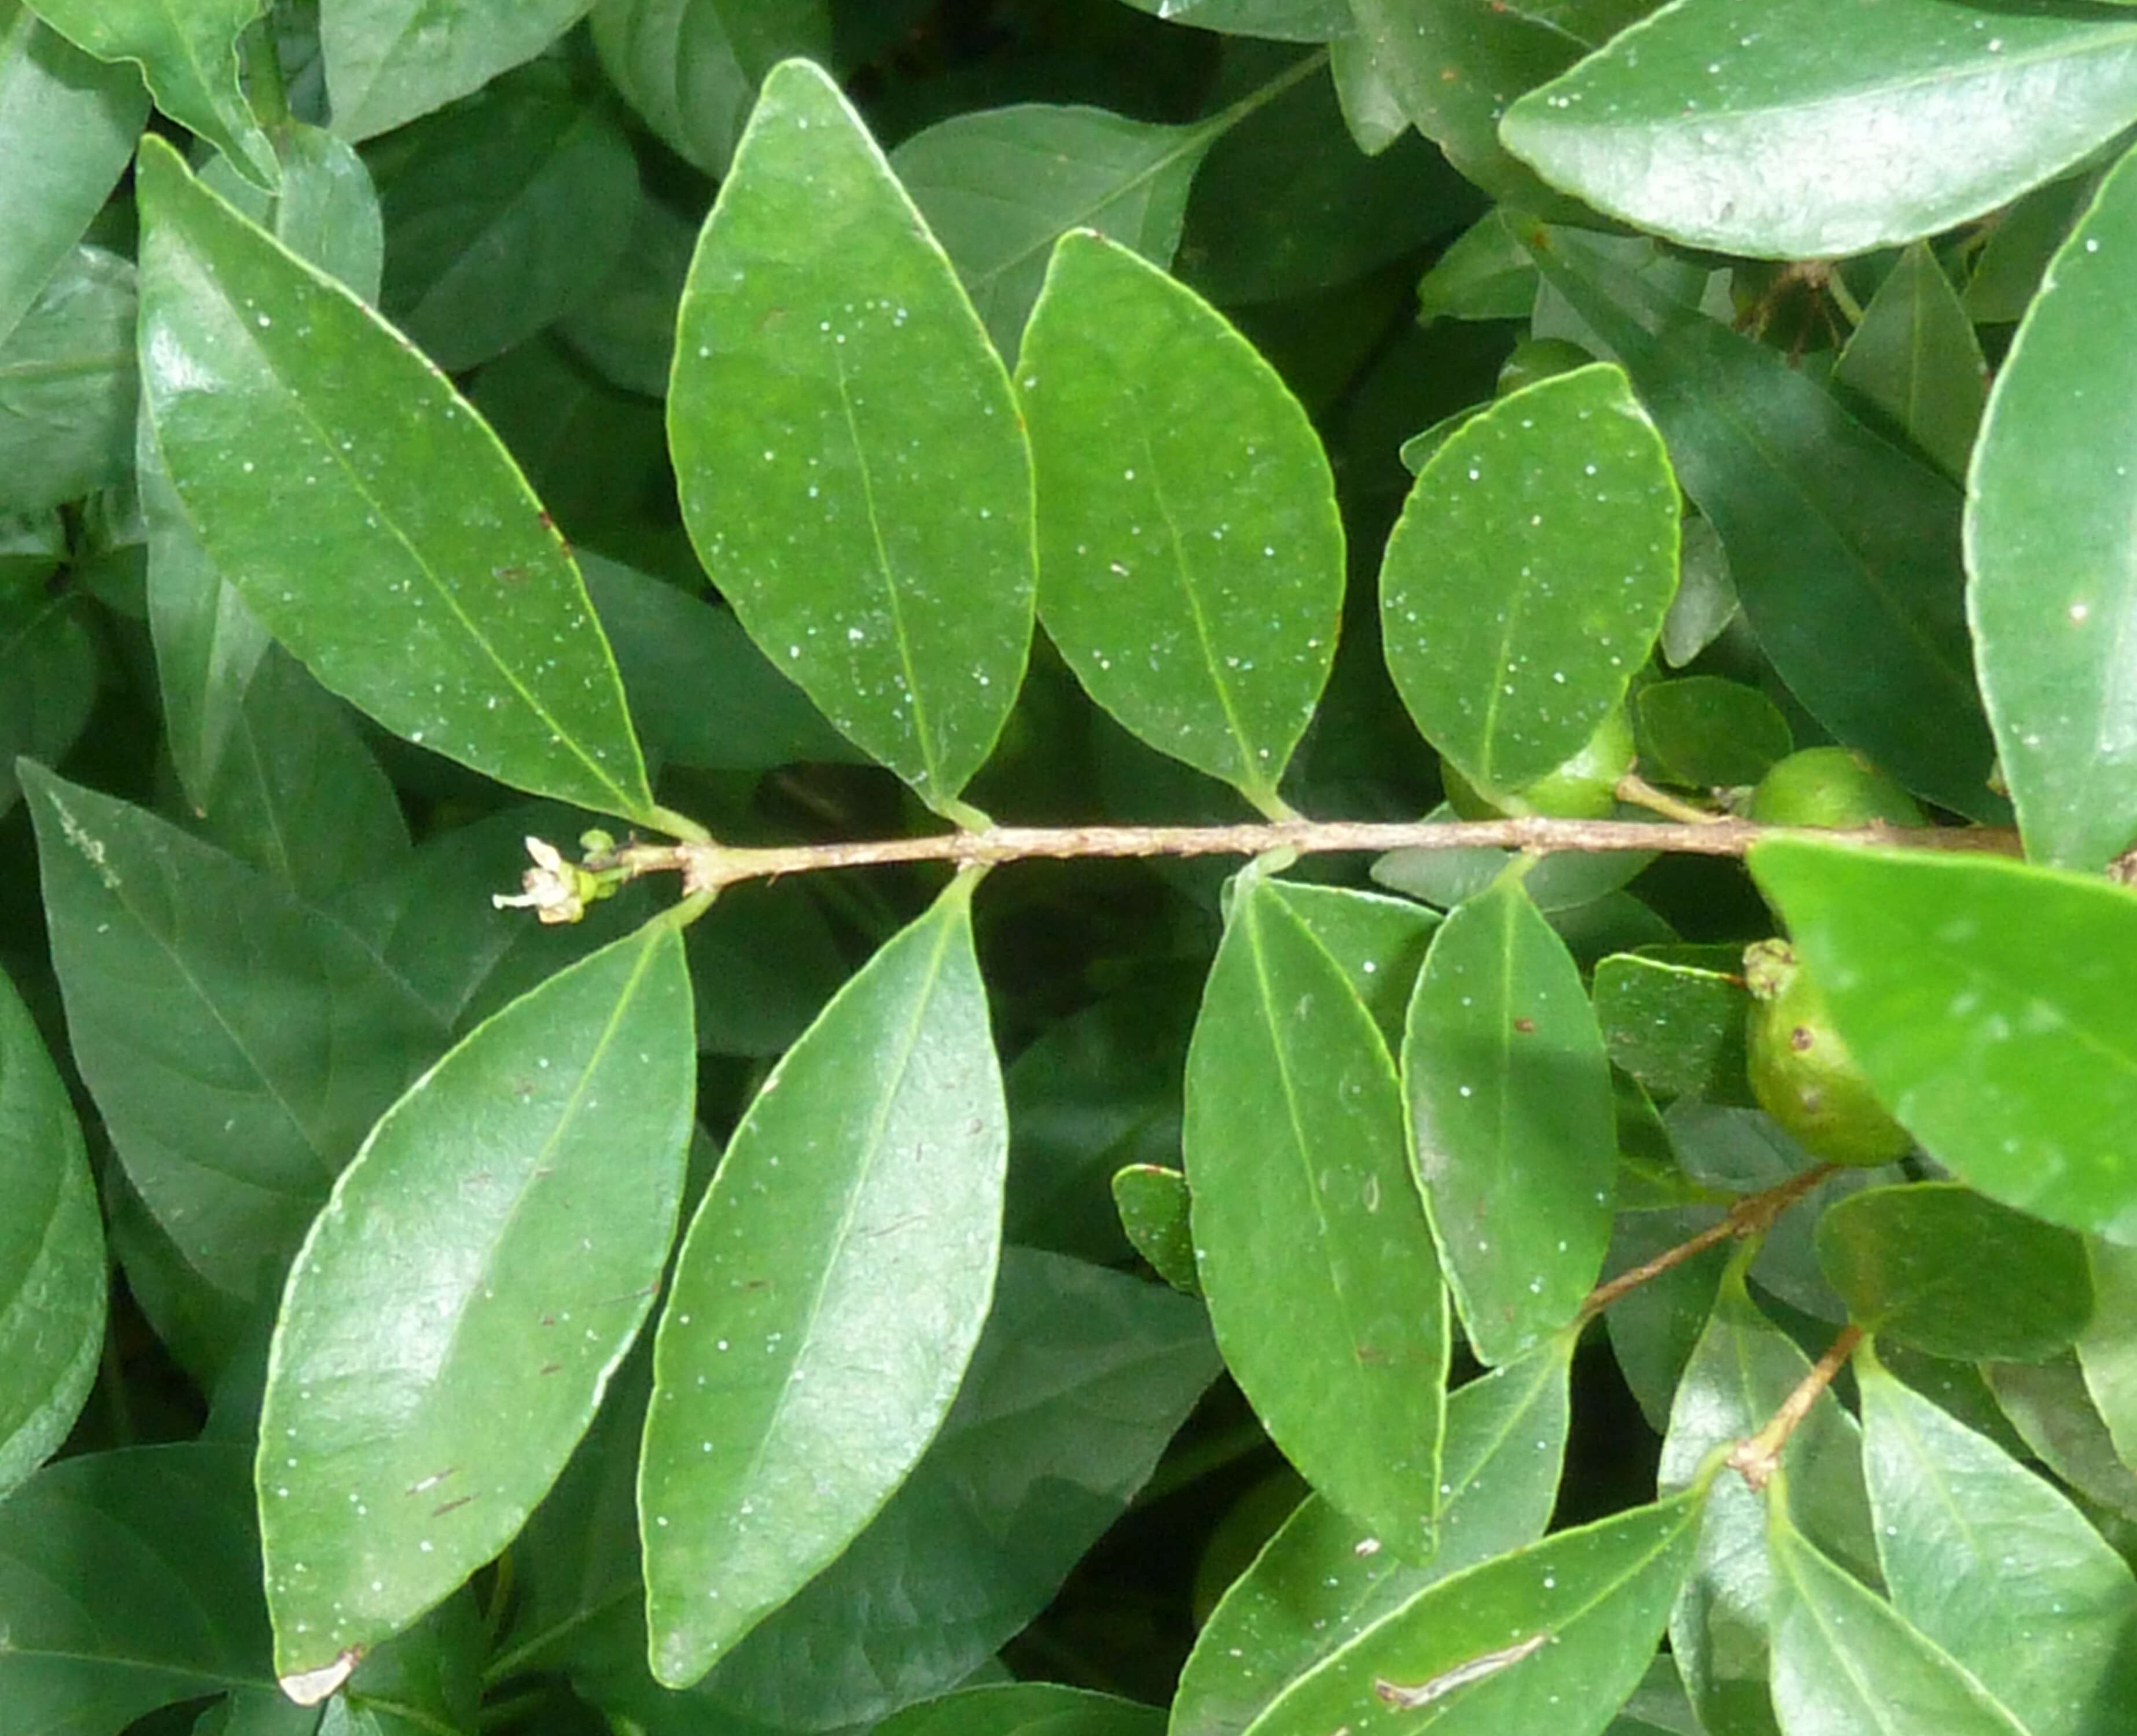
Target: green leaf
[[1000, 186], [389, 61], [1323, 1579], [2107, 1350], [1742, 1369], [67, 127], [238, 1045], [1654, 1328], [1528, 576], [626, 326], [155, 1547], [52, 1277], [2049, 545], [1710, 733], [763, 962], [533, 1178], [1794, 131], [436, 595], [1994, 1565], [501, 214], [1283, 21], [2048, 1405], [1371, 110], [690, 68], [1190, 554], [1843, 1662], [1556, 883], [1982, 999], [1675, 1023], [48, 679], [1485, 273], [1553, 1636], [820, 1320], [1843, 548], [1454, 66], [1510, 1110], [1915, 358], [325, 210], [2007, 272], [1378, 943], [1025, 1709], [1314, 1256], [67, 385], [188, 54], [875, 541], [1935, 1266], [1152, 1202], [701, 692], [1706, 601]]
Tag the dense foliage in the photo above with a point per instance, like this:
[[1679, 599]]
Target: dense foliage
[[640, 1086]]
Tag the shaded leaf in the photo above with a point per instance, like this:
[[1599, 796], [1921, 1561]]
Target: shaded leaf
[[1982, 999], [820, 1320], [1936, 1265], [1485, 274], [1152, 1202], [389, 61], [626, 326], [324, 209], [455, 1277], [1793, 131], [2048, 1404], [2050, 547], [68, 385], [1190, 554], [434, 593], [1705, 600], [1026, 1709], [876, 542], [1562, 882], [67, 127], [1675, 1023], [1313, 1254], [1285, 21], [1915, 358], [275, 1039], [1510, 1109], [48, 679], [2107, 1350], [1371, 110], [52, 1276], [1710, 733], [1528, 576]]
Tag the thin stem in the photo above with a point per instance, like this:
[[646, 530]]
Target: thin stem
[[1637, 790], [1756, 1459], [1753, 1215]]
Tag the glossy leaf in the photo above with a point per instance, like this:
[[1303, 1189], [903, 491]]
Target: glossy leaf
[[1916, 358], [188, 55], [1528, 576], [276, 1042], [2107, 1350], [67, 127], [48, 680], [1741, 1370], [1554, 1635], [1378, 942], [690, 68], [1190, 554], [1793, 131], [1983, 1000], [502, 214], [875, 541], [1285, 21], [389, 61], [1000, 186], [1843, 1661], [821, 1319], [1455, 67], [52, 1276], [2050, 548], [1371, 110], [436, 594], [164, 1537], [1996, 1566], [2048, 1405], [1152, 1202], [1675, 1023], [324, 210], [456, 1276], [1710, 733], [1842, 549], [1026, 1709], [67, 385], [1936, 1265], [1314, 1256], [1557, 883], [1324, 1579], [1510, 1110]]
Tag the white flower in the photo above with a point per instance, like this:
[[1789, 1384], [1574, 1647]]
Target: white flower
[[553, 889]]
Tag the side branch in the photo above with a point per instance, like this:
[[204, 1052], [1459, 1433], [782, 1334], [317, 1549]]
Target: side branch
[[1754, 1460], [1753, 1215]]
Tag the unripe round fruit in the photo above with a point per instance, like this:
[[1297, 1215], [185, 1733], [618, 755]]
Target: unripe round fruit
[[1801, 1071], [1831, 786], [1538, 359], [1585, 787]]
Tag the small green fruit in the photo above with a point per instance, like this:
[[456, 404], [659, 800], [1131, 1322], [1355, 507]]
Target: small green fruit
[[1831, 786], [1801, 1071], [1538, 359], [1585, 787]]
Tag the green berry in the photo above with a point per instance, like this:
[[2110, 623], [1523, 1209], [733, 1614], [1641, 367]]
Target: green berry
[[1832, 786], [1585, 787], [1801, 1071]]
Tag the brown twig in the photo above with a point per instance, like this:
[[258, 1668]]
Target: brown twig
[[1753, 1215], [1754, 1460]]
